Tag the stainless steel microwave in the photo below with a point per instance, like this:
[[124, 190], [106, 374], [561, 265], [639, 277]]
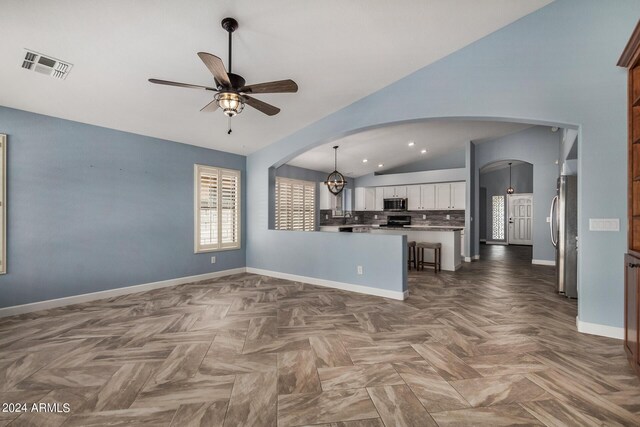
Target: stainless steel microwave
[[395, 205]]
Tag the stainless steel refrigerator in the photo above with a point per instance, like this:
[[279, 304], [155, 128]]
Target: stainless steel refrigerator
[[564, 234]]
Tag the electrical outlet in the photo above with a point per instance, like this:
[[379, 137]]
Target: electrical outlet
[[375, 217], [448, 217], [360, 270], [213, 260], [356, 218], [326, 216], [548, 219], [424, 217]]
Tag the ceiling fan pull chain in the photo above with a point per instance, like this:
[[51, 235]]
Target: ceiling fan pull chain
[[229, 132]]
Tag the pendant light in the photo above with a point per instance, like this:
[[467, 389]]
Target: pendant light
[[335, 181], [510, 190]]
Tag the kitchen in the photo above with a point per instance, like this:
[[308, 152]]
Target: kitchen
[[430, 212]]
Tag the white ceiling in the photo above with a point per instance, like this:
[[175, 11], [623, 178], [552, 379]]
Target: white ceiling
[[325, 46], [389, 145]]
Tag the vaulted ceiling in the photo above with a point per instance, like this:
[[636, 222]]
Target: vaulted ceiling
[[337, 51]]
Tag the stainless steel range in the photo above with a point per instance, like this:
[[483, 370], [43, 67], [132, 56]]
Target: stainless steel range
[[397, 221]]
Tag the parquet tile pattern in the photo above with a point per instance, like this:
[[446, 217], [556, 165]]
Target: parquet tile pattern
[[491, 344]]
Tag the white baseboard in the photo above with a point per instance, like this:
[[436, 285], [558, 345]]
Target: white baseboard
[[542, 262], [476, 257], [483, 240], [491, 242], [331, 284], [76, 299], [601, 330], [467, 259]]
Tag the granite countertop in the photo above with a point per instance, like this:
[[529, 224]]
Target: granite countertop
[[410, 227], [425, 228]]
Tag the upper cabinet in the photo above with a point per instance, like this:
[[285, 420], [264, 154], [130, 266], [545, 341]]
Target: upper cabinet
[[326, 198], [451, 196], [365, 199], [421, 197], [379, 202], [394, 192]]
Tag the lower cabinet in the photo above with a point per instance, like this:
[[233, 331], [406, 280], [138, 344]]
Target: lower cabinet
[[631, 276]]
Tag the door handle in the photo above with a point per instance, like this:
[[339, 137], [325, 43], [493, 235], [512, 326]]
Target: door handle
[[631, 265], [553, 219]]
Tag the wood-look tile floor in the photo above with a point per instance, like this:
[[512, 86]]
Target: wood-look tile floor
[[491, 344]]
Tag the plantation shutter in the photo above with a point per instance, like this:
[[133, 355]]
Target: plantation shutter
[[217, 208], [230, 204], [295, 204]]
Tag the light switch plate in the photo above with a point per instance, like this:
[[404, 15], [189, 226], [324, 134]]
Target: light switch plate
[[604, 224]]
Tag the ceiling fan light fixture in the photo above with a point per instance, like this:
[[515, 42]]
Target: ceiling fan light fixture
[[230, 103]]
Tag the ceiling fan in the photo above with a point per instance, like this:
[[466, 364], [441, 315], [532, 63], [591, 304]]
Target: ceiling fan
[[232, 93]]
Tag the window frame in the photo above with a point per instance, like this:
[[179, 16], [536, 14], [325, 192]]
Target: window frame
[[219, 172], [304, 184]]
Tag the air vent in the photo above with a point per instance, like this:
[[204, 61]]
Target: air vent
[[44, 64]]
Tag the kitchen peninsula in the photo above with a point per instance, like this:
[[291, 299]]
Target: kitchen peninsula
[[448, 235]]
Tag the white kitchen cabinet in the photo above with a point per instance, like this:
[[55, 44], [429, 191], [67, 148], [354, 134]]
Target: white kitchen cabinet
[[443, 196], [450, 196], [360, 202], [369, 199], [428, 196], [414, 197], [421, 197], [458, 195], [365, 199], [388, 192], [379, 203], [326, 198], [395, 192]]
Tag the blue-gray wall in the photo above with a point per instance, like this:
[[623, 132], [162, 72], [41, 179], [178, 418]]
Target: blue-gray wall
[[91, 209], [451, 160], [554, 66], [495, 183], [538, 146]]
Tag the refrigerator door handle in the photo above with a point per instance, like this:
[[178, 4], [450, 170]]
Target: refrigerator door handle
[[552, 220]]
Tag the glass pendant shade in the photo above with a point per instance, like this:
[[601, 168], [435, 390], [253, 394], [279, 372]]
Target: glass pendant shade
[[335, 181], [230, 103]]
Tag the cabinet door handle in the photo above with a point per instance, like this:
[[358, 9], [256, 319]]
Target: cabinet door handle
[[632, 265]]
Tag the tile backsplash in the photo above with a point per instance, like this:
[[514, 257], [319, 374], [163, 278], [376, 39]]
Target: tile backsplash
[[368, 217]]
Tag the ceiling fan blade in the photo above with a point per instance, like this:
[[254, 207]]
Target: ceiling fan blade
[[212, 106], [216, 66], [178, 84], [268, 109], [280, 86]]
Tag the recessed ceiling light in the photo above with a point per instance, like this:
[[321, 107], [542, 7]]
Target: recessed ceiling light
[[424, 150], [380, 165], [411, 143], [364, 160]]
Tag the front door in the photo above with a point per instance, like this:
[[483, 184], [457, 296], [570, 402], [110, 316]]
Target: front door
[[520, 214]]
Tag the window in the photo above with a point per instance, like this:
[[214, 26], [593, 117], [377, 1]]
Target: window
[[295, 205], [217, 208], [3, 204], [497, 217]]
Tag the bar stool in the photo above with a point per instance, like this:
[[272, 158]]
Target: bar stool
[[411, 258], [437, 247]]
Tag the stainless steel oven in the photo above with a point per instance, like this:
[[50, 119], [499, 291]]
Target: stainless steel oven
[[395, 205]]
